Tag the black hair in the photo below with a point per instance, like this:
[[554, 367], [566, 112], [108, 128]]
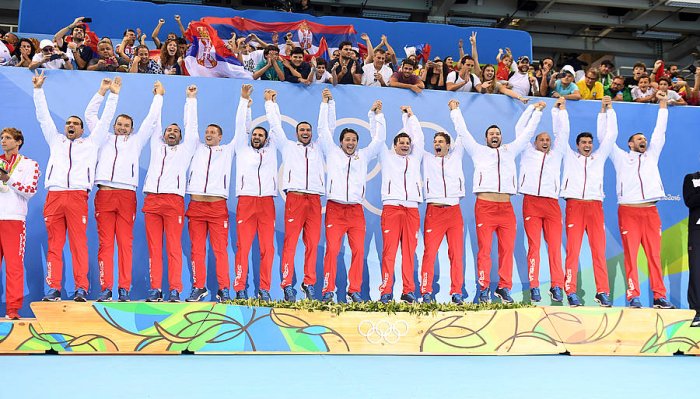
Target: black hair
[[629, 140], [346, 131], [77, 117], [486, 133], [261, 128], [321, 61], [343, 44], [608, 63], [583, 135], [129, 30], [270, 47], [221, 131], [296, 129], [402, 134], [408, 61], [124, 116], [297, 50], [465, 58], [443, 135], [18, 54]]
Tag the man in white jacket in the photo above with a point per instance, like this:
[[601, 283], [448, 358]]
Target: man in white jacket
[[401, 194], [69, 178], [444, 188], [303, 182], [346, 177], [256, 189], [164, 205], [208, 185], [582, 187], [540, 170], [494, 183], [117, 177], [19, 177], [639, 187]]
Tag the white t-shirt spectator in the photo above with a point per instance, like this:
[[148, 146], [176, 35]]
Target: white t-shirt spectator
[[251, 60], [638, 93], [327, 77], [53, 64], [368, 72], [520, 83], [453, 77], [672, 95]]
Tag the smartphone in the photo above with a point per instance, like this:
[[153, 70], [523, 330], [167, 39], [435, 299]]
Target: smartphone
[[87, 20], [55, 57]]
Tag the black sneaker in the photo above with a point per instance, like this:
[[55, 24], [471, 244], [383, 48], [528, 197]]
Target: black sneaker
[[309, 290], [290, 294], [663, 303], [408, 298], [154, 295], [504, 295], [223, 295], [52, 295], [197, 294], [696, 320], [105, 296], [174, 296], [123, 295], [81, 295]]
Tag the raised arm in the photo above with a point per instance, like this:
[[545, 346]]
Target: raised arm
[[522, 138], [521, 125], [182, 28], [475, 54], [101, 131], [607, 120], [191, 123], [411, 125], [370, 49], [48, 128], [150, 125], [658, 137], [58, 37], [470, 145], [560, 126], [377, 125], [93, 106], [156, 31], [240, 137], [272, 111], [325, 134]]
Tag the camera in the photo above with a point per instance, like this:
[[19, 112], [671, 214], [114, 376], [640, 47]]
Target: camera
[[55, 57]]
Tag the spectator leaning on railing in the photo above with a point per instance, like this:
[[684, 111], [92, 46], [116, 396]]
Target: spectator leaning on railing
[[142, 63], [319, 72], [76, 43], [672, 97], [564, 86], [169, 58], [489, 85], [643, 92], [50, 57], [606, 77], [617, 90], [405, 78], [375, 72], [295, 69], [23, 54], [590, 88], [106, 60], [270, 68]]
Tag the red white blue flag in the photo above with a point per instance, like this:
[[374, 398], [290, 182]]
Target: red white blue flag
[[209, 56]]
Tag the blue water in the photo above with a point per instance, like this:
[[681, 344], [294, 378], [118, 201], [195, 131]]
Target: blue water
[[348, 376]]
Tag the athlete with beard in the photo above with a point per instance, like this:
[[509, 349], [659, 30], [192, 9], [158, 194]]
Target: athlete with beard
[[208, 186], [582, 188], [347, 177], [540, 167], [69, 179], [523, 83], [638, 218], [494, 183], [164, 205], [444, 188], [117, 177], [303, 181], [256, 188]]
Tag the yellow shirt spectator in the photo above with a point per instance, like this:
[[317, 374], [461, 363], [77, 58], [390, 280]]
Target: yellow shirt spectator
[[596, 93]]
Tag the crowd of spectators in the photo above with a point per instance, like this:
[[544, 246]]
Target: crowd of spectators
[[76, 47]]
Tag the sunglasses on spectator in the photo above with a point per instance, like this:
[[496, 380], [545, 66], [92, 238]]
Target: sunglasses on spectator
[[47, 49]]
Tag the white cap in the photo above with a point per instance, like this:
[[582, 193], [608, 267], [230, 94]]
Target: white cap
[[569, 69], [45, 43]]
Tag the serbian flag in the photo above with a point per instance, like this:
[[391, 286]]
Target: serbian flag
[[209, 56], [5, 54], [421, 51], [310, 36]]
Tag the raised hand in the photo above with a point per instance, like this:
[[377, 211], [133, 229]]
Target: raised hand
[[472, 38], [104, 86], [607, 102], [191, 91], [116, 85], [453, 104], [460, 43], [364, 37], [246, 91], [540, 105], [377, 107], [560, 103], [38, 79], [161, 21], [158, 88], [407, 109], [177, 18], [270, 95], [326, 95]]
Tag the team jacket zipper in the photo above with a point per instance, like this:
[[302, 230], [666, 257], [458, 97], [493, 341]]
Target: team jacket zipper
[[539, 184], [206, 178]]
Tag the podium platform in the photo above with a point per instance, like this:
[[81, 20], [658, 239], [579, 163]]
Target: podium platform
[[204, 328]]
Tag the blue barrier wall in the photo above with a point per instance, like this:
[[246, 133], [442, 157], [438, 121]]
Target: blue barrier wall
[[68, 92], [111, 18]]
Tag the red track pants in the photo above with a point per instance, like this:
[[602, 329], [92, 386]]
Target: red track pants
[[66, 211], [254, 215], [541, 213], [641, 226], [302, 211], [164, 216], [12, 242], [342, 219], [441, 221], [498, 217], [399, 224], [585, 216], [212, 218], [115, 212]]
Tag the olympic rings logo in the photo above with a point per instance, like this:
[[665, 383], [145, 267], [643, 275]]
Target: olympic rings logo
[[383, 330]]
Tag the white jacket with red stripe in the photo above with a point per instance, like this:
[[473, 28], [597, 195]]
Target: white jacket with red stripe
[[303, 164], [583, 176], [347, 174], [494, 168], [167, 170], [256, 169], [21, 186], [210, 169], [540, 172], [444, 176], [118, 159], [72, 162], [401, 178], [638, 177]]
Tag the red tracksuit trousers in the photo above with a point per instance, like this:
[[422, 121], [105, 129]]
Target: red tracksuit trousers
[[342, 219], [212, 218], [12, 242], [498, 217], [585, 216], [254, 215], [115, 212], [164, 214], [641, 225], [399, 224], [302, 211], [543, 214], [66, 211], [441, 221]]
